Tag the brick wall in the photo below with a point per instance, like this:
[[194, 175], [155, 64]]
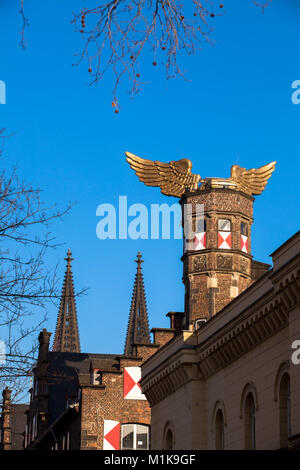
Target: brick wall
[[106, 402], [99, 404]]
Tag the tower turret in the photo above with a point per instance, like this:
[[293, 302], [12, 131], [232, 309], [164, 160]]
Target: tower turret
[[217, 259]]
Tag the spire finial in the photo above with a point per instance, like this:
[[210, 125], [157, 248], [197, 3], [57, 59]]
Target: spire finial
[[139, 259], [69, 257]]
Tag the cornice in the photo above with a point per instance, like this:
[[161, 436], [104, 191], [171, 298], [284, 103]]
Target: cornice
[[215, 190]]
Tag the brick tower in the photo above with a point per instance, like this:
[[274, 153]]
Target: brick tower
[[66, 333], [217, 261], [138, 325]]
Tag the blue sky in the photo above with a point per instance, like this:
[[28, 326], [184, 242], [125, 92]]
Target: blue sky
[[68, 141]]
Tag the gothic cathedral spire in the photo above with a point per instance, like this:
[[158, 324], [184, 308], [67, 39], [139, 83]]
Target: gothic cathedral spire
[[66, 337], [138, 327]]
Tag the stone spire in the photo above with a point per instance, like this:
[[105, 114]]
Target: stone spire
[[66, 334], [138, 327]]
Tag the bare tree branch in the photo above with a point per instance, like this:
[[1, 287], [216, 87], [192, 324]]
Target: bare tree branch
[[27, 285], [117, 34], [25, 23]]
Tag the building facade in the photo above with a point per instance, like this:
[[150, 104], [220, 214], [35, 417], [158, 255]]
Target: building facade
[[88, 401], [229, 379], [225, 375]]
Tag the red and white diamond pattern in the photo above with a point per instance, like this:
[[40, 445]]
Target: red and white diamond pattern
[[224, 240], [111, 435], [132, 388], [244, 243], [200, 241]]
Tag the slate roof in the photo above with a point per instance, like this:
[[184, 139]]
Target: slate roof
[[67, 370]]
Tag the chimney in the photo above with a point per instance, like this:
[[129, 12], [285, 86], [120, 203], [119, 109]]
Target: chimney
[[44, 340], [176, 321]]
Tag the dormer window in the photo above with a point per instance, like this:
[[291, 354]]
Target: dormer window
[[96, 377]]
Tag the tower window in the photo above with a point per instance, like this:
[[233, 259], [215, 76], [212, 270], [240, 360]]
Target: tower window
[[224, 225], [244, 229], [199, 225]]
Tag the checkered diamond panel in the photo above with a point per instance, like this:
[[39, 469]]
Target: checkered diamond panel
[[244, 243], [200, 241], [132, 388], [111, 435], [224, 240]]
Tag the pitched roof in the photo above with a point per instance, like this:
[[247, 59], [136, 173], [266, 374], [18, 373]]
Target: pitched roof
[[66, 370]]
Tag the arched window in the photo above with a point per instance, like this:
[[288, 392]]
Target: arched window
[[250, 437], [219, 430], [168, 440], [284, 410]]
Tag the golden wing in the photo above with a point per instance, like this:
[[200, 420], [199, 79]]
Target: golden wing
[[252, 181], [173, 178]]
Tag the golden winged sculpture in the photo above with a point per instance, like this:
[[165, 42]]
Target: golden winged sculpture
[[176, 177]]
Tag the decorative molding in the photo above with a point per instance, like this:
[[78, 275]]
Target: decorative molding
[[169, 426], [199, 263], [224, 261], [249, 388], [219, 405], [244, 265], [168, 381], [283, 369]]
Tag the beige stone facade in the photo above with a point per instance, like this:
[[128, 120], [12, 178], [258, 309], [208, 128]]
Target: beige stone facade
[[234, 383]]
